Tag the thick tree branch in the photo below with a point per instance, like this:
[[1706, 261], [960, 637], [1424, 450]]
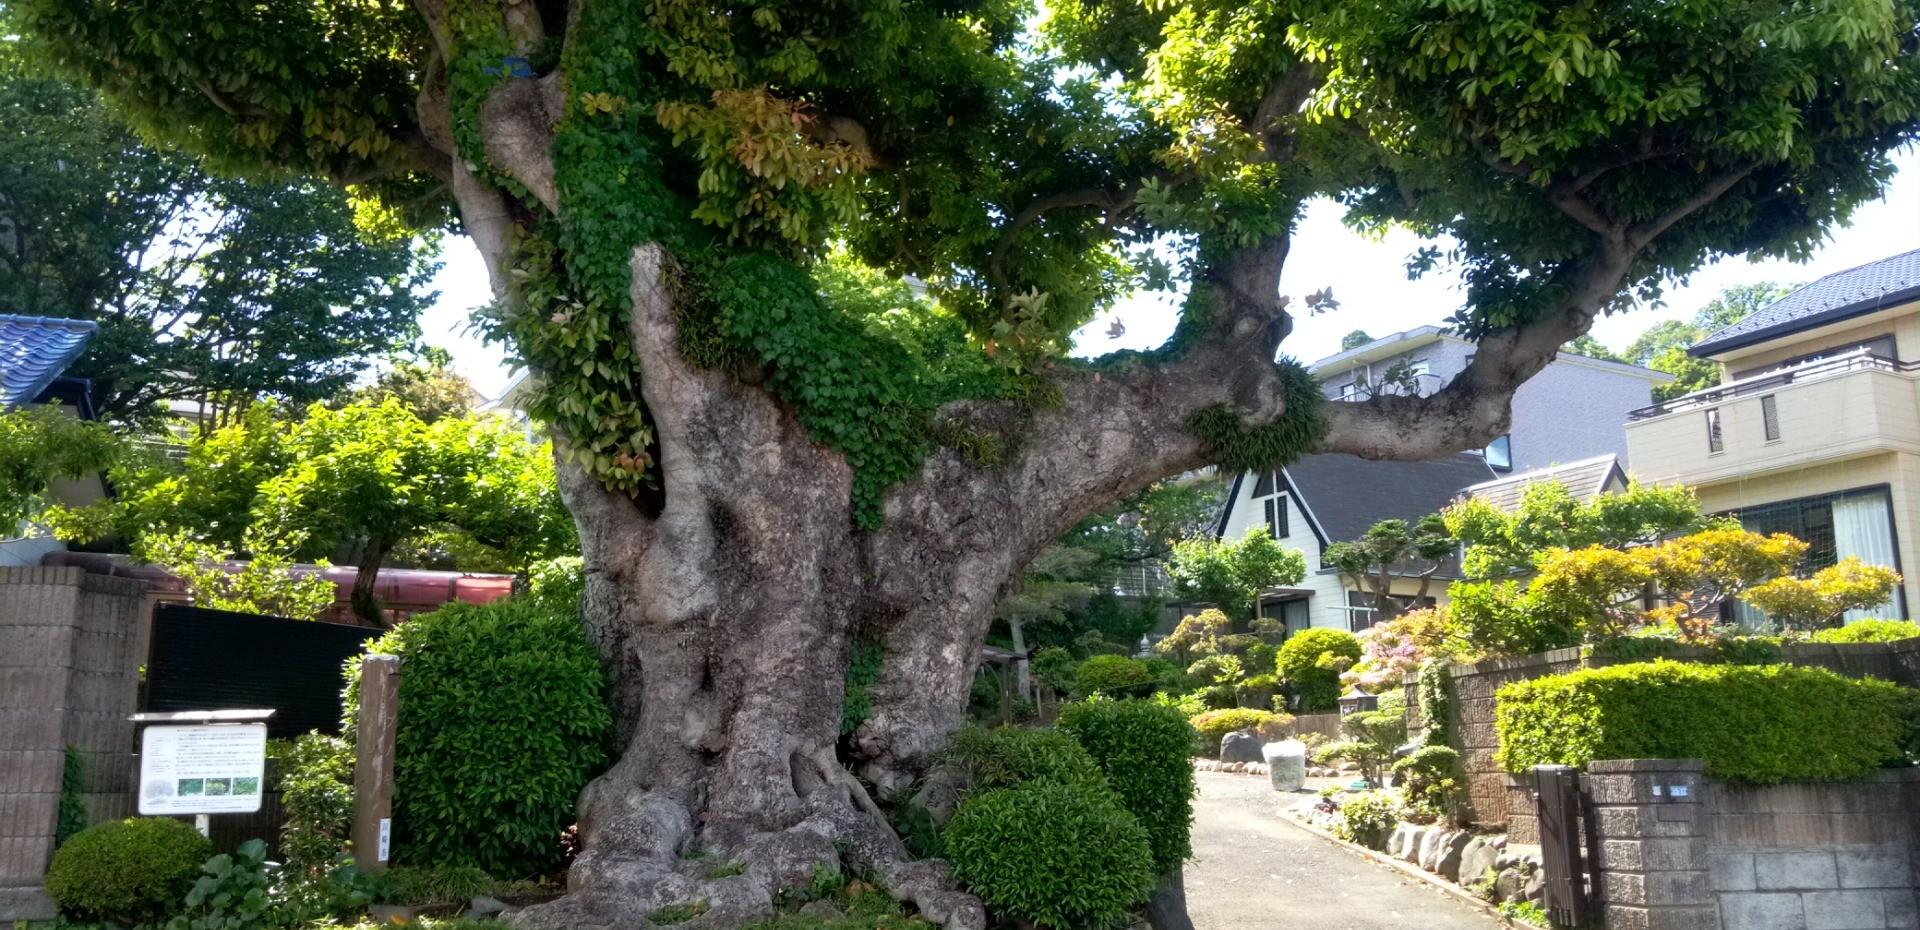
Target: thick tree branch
[[1640, 234]]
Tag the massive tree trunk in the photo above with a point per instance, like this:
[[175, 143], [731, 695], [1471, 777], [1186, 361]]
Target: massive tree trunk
[[724, 605]]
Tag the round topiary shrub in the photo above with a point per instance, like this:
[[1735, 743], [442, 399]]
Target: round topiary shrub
[[1009, 756], [1062, 856], [129, 871], [1310, 663], [502, 722], [1145, 748], [1214, 725], [1101, 674]]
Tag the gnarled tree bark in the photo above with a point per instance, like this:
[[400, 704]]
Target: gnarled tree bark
[[723, 606]]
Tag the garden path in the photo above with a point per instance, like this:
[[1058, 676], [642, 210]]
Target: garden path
[[1254, 870]]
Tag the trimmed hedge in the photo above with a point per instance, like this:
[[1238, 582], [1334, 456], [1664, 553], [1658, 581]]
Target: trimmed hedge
[[1009, 756], [502, 721], [129, 871], [1759, 724], [1868, 631], [1062, 856], [1309, 664], [1146, 750], [1214, 725], [1100, 674]]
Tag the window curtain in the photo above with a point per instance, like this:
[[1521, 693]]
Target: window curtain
[[1861, 530]]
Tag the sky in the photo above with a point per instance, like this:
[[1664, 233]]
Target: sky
[[1368, 278]]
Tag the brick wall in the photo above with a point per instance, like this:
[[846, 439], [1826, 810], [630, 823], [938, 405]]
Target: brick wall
[[68, 678], [1472, 712], [1650, 871]]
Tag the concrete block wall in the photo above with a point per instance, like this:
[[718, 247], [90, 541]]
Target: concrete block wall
[[1815, 856], [1650, 844], [68, 678]]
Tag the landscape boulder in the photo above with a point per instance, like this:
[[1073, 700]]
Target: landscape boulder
[[1478, 857], [1240, 747]]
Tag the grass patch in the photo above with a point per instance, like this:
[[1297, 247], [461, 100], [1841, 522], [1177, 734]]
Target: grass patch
[[726, 871]]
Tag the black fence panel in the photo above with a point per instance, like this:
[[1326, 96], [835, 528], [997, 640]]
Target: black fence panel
[[215, 659]]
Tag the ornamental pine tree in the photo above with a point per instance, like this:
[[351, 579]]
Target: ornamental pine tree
[[696, 217]]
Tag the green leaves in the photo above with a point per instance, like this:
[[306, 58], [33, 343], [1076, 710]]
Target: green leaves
[[1232, 573], [1759, 724], [503, 720]]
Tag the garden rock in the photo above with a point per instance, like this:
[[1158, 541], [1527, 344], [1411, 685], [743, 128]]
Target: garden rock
[[1430, 846], [1535, 888], [822, 910], [1397, 842], [1507, 885], [483, 906], [1447, 859], [1476, 859], [1240, 747], [1411, 851]]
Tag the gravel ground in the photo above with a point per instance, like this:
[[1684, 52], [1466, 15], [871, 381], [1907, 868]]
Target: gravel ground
[[1254, 870]]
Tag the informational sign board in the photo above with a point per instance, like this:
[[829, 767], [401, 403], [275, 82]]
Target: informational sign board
[[216, 769]]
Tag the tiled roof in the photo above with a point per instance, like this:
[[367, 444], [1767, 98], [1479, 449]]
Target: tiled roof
[[33, 352], [1584, 480], [1347, 494], [1843, 294]]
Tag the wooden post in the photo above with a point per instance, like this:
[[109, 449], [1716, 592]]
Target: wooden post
[[373, 761]]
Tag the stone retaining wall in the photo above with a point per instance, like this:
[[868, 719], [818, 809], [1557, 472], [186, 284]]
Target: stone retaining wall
[[68, 664], [1474, 687], [1828, 856], [1679, 851]]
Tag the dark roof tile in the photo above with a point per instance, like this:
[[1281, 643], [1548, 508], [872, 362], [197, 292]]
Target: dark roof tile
[[34, 351], [1838, 296]]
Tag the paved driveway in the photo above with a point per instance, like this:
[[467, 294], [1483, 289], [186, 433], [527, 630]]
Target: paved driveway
[[1252, 870]]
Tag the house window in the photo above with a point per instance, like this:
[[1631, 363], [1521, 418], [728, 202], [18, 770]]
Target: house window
[[1851, 524], [1364, 610], [1293, 615], [1770, 418], [1715, 445], [1263, 485], [1356, 390], [1277, 517], [1499, 454]]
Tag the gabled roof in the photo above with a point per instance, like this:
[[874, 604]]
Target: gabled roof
[[1347, 495], [34, 351], [1584, 479], [1838, 296]]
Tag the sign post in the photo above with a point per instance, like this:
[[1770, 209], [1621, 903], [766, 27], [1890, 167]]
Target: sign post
[[202, 763], [373, 744]]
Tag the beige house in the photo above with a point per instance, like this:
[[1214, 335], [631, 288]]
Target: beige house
[[1815, 428]]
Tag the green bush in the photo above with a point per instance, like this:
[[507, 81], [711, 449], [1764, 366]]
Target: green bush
[[1103, 673], [1062, 856], [1868, 631], [1749, 723], [502, 722], [1009, 756], [440, 884], [1367, 818], [1310, 663], [316, 798], [1432, 781], [1145, 748], [1214, 725], [127, 871]]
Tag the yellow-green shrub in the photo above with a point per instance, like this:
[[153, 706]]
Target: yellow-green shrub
[[129, 871], [1061, 856], [1214, 725], [1749, 723], [1868, 631]]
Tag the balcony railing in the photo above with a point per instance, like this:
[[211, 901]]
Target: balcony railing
[[1861, 359]]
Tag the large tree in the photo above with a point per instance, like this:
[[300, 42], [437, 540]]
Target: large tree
[[764, 465], [204, 287]]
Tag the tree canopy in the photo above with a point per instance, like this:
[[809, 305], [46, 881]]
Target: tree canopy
[[204, 287], [1663, 347], [1018, 167]]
